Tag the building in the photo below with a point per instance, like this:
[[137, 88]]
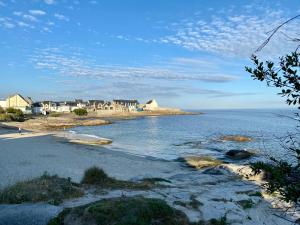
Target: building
[[80, 103], [96, 104], [49, 106], [151, 105], [127, 105], [37, 108], [3, 104], [17, 101], [67, 106]]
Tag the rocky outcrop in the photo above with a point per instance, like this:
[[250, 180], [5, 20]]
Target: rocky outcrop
[[200, 162], [238, 154], [235, 138]]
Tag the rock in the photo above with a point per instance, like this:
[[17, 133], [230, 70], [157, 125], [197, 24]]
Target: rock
[[235, 138], [213, 171], [238, 154], [200, 162]]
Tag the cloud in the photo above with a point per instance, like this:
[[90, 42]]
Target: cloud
[[37, 12], [17, 13], [2, 4], [49, 2], [30, 18], [6, 22], [238, 34], [74, 66], [61, 17]]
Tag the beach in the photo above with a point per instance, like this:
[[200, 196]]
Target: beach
[[220, 191]]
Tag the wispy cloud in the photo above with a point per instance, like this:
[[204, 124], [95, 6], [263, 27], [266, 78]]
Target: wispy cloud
[[55, 60], [30, 18], [61, 17], [7, 22], [36, 12], [49, 2], [233, 34]]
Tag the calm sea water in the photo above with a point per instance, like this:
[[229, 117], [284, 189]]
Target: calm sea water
[[170, 137]]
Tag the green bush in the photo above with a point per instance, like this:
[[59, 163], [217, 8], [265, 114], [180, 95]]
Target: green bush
[[11, 110], [5, 117], [95, 175], [80, 112], [123, 211], [2, 110], [45, 188]]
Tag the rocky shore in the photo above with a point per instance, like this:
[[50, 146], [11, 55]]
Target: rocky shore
[[213, 191]]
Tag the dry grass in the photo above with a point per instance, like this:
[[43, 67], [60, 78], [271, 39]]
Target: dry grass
[[52, 189]]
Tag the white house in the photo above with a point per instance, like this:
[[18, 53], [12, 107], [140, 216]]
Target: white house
[[3, 104], [151, 105]]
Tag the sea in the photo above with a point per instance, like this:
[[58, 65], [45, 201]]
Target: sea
[[172, 137]]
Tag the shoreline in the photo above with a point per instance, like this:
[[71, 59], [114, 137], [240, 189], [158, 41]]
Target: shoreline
[[220, 189]]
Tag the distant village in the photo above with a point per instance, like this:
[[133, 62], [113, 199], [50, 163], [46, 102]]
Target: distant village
[[28, 106]]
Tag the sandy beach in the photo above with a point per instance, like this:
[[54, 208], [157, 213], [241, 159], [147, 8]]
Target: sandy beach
[[220, 190]]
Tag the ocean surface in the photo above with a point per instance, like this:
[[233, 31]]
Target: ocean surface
[[170, 137]]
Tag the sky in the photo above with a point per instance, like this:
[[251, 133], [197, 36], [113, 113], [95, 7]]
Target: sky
[[189, 54]]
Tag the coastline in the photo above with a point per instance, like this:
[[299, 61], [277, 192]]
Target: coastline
[[220, 190]]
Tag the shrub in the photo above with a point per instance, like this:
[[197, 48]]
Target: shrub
[[5, 117], [45, 188], [95, 175], [80, 112], [2, 110], [11, 110], [123, 211]]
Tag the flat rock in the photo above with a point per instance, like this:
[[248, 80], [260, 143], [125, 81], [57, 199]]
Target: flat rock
[[235, 138]]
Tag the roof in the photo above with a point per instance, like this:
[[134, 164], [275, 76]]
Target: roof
[[26, 99], [125, 101], [92, 102], [37, 104]]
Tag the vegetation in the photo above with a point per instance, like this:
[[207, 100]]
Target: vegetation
[[11, 114], [2, 110], [127, 211], [80, 112], [52, 189], [282, 176], [246, 204], [97, 177], [122, 211]]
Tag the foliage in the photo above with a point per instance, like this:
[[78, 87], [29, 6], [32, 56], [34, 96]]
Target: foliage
[[97, 177], [123, 211], [52, 189], [282, 176], [11, 110], [285, 75], [2, 110], [5, 117], [80, 112]]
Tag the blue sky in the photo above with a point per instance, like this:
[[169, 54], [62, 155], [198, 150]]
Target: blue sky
[[187, 54]]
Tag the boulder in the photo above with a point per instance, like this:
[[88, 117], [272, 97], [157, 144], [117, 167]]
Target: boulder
[[200, 162], [238, 154]]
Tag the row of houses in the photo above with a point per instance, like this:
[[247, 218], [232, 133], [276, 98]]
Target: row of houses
[[28, 106]]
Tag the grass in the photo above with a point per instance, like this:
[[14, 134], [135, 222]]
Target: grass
[[97, 177], [55, 114], [122, 211], [246, 204], [46, 188]]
